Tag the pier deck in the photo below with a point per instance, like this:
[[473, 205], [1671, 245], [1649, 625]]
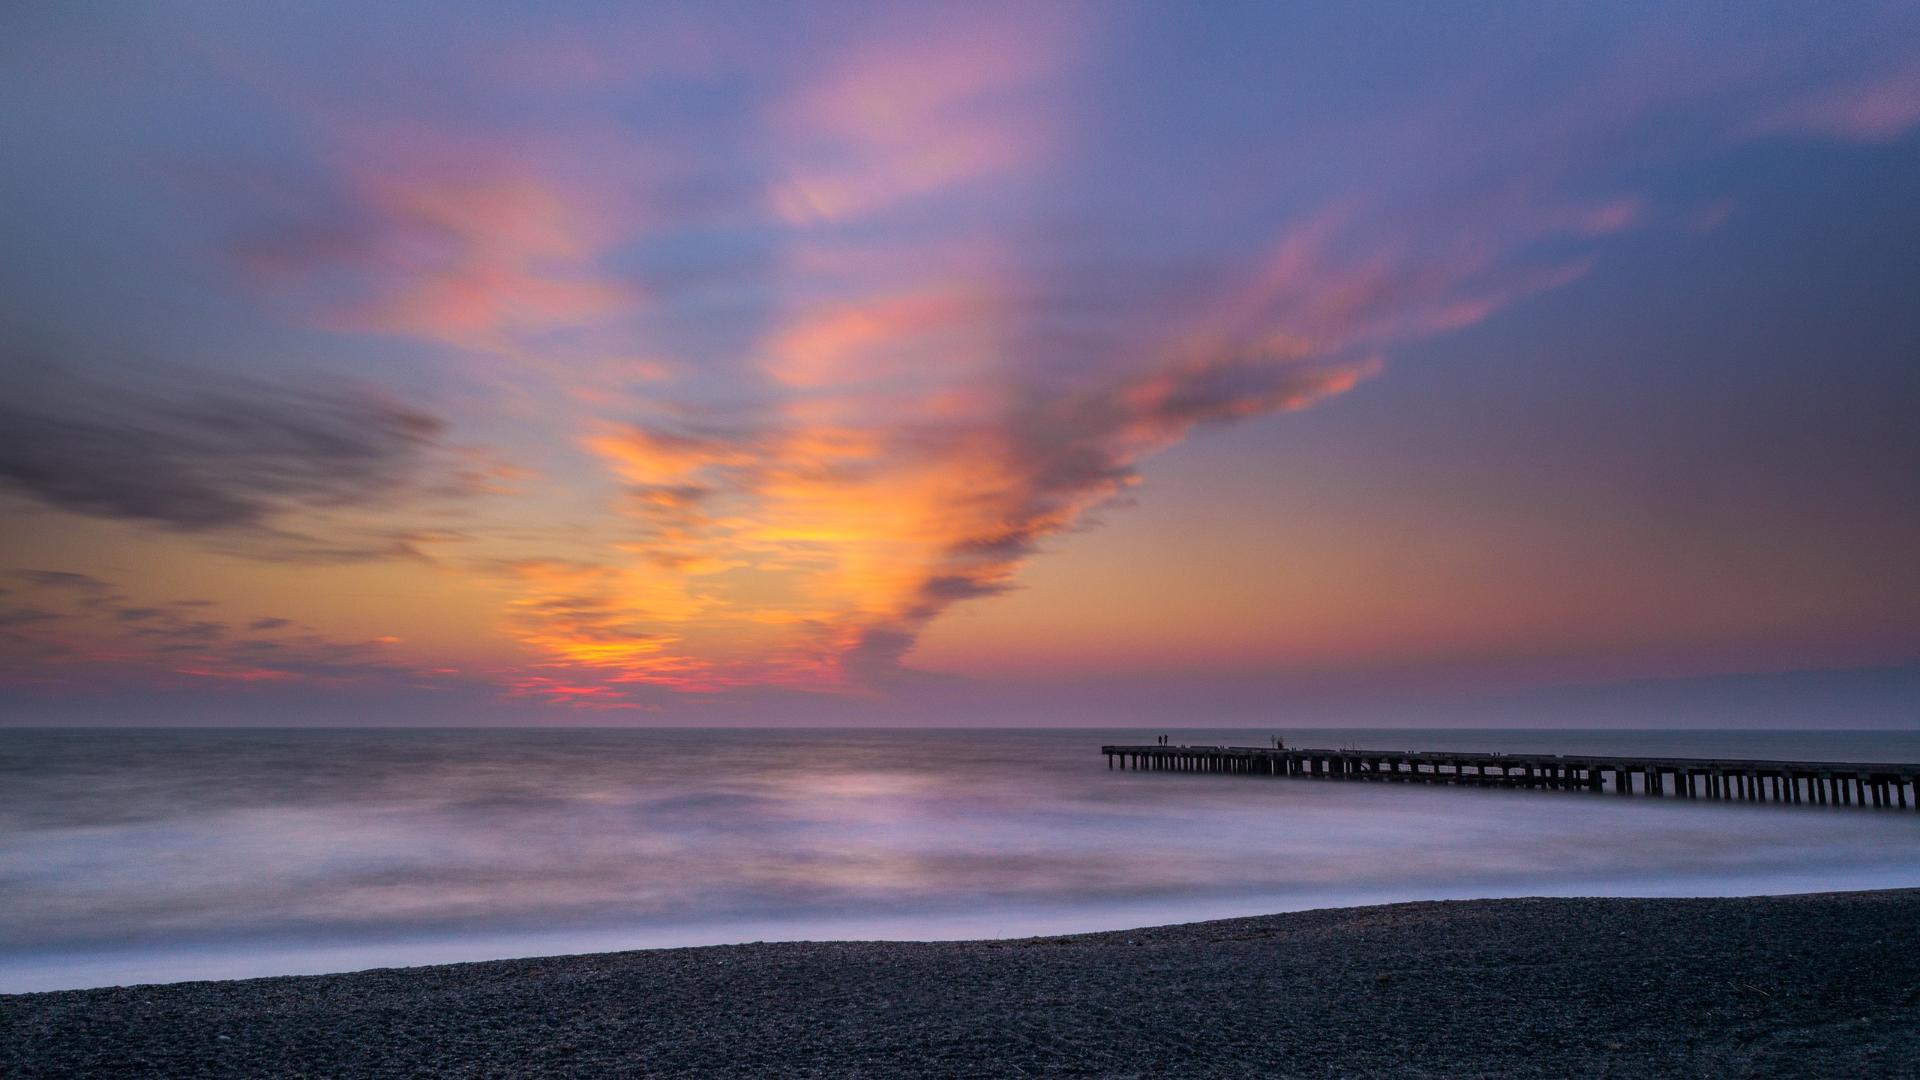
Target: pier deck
[[1836, 783]]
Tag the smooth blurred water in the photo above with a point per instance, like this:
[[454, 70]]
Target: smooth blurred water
[[146, 855]]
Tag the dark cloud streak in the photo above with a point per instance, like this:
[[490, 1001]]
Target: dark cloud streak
[[206, 454], [62, 579]]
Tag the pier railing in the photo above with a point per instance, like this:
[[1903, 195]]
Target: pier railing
[[1837, 783]]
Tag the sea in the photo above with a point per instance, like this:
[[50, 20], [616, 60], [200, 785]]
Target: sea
[[137, 856]]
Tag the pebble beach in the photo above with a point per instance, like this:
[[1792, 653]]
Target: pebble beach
[[1811, 985]]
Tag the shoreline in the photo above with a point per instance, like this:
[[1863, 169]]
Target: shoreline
[[1809, 984], [335, 958]]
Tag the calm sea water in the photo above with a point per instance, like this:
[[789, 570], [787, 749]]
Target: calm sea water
[[145, 856]]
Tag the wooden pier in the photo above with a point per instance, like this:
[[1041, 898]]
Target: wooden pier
[[1823, 783]]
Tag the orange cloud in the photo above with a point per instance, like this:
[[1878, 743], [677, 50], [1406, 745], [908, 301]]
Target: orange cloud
[[916, 457], [820, 548], [843, 344]]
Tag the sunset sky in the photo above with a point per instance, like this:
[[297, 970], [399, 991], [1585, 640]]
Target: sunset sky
[[952, 363]]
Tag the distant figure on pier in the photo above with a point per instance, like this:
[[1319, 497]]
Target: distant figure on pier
[[1279, 743]]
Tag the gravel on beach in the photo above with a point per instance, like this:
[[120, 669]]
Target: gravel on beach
[[1823, 985]]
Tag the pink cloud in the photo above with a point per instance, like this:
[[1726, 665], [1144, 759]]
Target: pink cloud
[[906, 115], [1880, 109], [901, 435], [477, 243], [473, 259], [859, 341]]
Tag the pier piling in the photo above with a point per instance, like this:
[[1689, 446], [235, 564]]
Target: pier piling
[[1882, 786]]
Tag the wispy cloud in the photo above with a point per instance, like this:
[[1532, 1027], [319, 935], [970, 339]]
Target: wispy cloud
[[487, 241], [901, 115], [232, 459], [63, 579], [77, 629], [829, 544], [822, 323], [1876, 109], [937, 407]]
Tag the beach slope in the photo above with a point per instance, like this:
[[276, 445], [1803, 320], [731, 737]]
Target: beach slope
[[1821, 985]]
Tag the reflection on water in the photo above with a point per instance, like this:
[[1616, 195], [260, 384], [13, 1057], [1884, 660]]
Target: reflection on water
[[149, 855]]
